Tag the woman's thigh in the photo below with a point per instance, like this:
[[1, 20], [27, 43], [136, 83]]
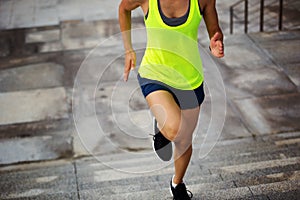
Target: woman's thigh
[[173, 122]]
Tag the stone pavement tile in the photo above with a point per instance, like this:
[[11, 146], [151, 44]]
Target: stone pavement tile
[[35, 76], [45, 17], [150, 188], [280, 51], [5, 13], [37, 194], [45, 180], [117, 118], [237, 39], [119, 97], [293, 72], [59, 185], [234, 193], [246, 167], [33, 105], [20, 16], [42, 36], [152, 194], [233, 126], [90, 177], [5, 48], [261, 176], [12, 62], [20, 21], [36, 170], [67, 10], [35, 148], [293, 195], [51, 47], [216, 159], [125, 173], [141, 120], [257, 179], [288, 140], [281, 136], [270, 37], [259, 82], [276, 188], [97, 10], [291, 10], [108, 28], [90, 141], [245, 56], [271, 114], [79, 35], [45, 13]]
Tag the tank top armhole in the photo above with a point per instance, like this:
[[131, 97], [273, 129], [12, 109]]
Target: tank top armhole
[[146, 16], [201, 12], [148, 11]]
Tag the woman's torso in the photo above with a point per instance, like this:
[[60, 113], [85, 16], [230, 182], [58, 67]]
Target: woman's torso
[[172, 54]]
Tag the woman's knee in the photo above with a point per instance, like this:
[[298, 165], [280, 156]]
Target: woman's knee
[[183, 141], [178, 131], [171, 129]]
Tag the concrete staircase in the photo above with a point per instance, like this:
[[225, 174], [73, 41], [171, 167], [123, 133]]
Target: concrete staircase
[[249, 172], [262, 168], [38, 67]]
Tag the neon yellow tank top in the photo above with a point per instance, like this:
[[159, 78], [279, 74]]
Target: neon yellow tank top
[[172, 54]]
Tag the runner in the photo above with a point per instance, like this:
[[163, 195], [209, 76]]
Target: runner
[[171, 74]]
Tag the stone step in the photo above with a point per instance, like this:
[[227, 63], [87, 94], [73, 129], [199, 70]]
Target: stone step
[[231, 145], [154, 186], [28, 77], [36, 194], [35, 148], [199, 191], [48, 185], [93, 181], [150, 183], [29, 120], [44, 180], [255, 178], [131, 159], [36, 170], [268, 165], [33, 105], [278, 190], [214, 159]]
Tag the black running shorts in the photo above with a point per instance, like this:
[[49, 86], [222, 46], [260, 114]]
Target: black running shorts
[[185, 99]]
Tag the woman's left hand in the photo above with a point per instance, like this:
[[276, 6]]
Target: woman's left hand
[[216, 45]]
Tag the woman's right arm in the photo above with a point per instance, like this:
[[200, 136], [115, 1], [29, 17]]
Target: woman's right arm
[[125, 8]]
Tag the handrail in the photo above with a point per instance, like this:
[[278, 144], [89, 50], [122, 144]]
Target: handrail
[[262, 6], [245, 15], [231, 9], [280, 14]]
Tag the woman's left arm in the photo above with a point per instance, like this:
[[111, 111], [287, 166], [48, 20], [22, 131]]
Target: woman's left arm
[[212, 24]]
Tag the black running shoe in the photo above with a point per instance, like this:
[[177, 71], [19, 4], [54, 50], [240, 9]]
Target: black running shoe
[[180, 192], [161, 145]]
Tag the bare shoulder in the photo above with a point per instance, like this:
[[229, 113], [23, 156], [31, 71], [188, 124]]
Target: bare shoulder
[[132, 4]]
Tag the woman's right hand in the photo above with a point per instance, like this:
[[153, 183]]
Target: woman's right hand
[[130, 62]]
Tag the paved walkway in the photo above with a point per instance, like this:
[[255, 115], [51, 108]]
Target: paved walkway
[[14, 13]]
